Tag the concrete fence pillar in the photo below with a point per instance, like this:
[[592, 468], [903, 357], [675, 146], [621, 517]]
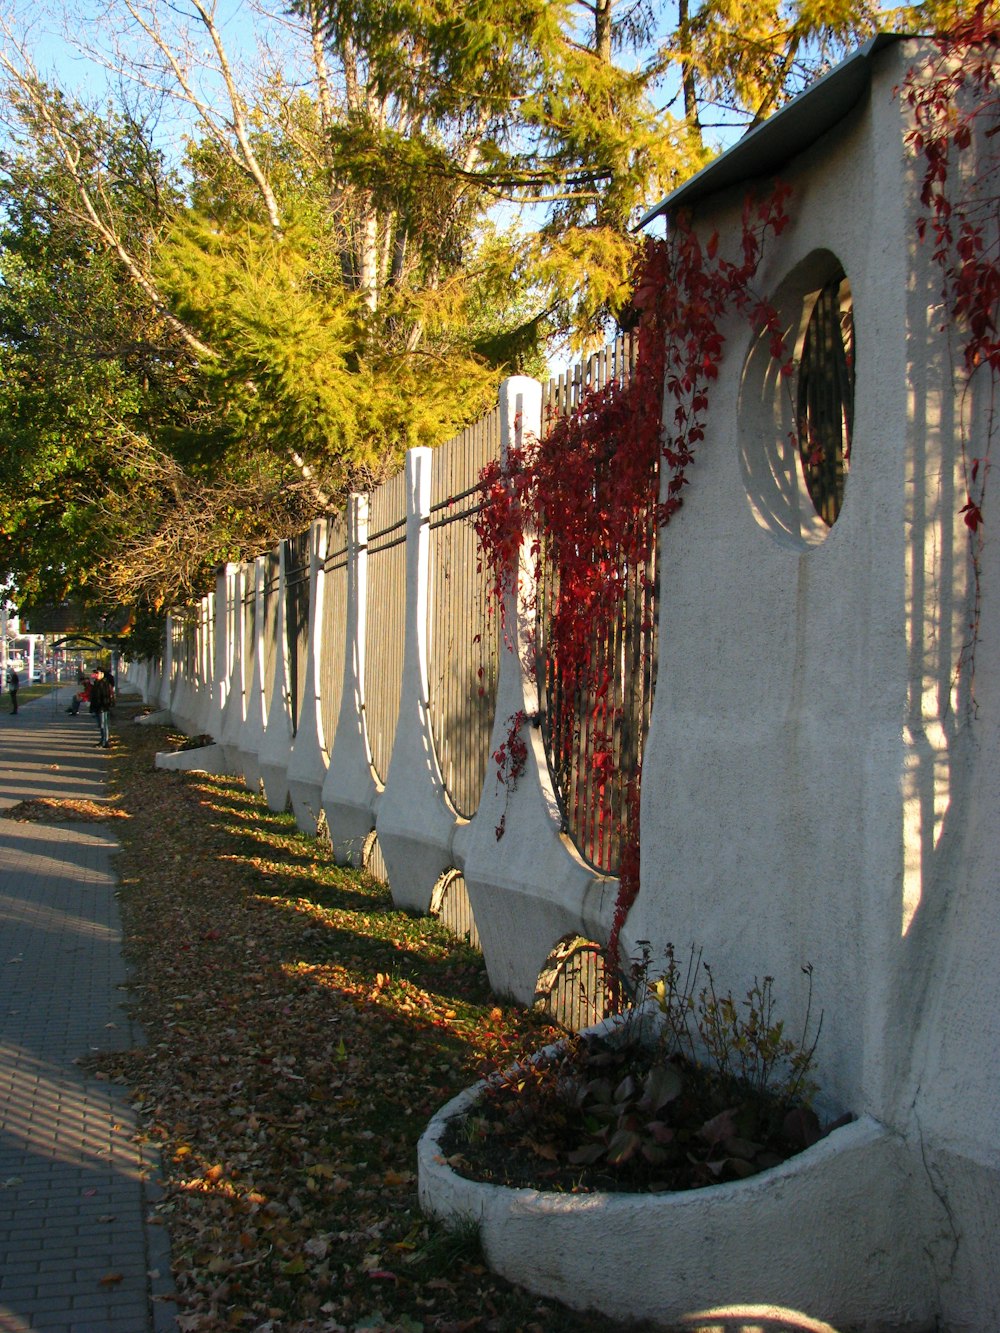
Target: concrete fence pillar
[[276, 747], [349, 789], [167, 673], [252, 731], [234, 708], [222, 649], [415, 823], [527, 884], [310, 758]]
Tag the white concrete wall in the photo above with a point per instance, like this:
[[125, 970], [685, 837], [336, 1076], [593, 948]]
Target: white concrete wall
[[276, 746], [309, 757], [817, 789]]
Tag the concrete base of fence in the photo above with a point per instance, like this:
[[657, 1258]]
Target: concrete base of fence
[[833, 1234], [307, 803], [351, 827], [274, 778], [204, 759], [162, 717], [247, 762]]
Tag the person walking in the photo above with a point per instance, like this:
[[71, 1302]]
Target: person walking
[[101, 699], [13, 682]]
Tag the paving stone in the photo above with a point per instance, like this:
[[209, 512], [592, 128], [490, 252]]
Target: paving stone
[[68, 1161]]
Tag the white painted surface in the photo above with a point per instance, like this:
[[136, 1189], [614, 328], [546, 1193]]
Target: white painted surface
[[815, 790], [252, 731], [309, 758], [415, 823], [350, 790], [276, 746], [819, 1235]]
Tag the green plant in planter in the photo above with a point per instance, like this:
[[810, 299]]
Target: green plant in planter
[[743, 1042], [710, 1089]]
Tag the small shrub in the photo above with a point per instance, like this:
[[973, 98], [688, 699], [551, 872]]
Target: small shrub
[[708, 1089]]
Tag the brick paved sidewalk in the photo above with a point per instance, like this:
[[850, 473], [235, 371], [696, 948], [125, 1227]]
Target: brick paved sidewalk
[[78, 1250]]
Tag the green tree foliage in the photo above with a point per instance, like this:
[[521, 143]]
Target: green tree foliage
[[583, 112], [199, 354], [109, 433]]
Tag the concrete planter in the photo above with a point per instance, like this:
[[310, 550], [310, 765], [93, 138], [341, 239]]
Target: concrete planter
[[833, 1235]]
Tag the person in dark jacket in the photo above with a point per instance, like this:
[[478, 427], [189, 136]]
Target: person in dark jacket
[[101, 699], [13, 681]]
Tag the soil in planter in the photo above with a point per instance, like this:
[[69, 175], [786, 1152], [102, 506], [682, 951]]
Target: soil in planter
[[623, 1116]]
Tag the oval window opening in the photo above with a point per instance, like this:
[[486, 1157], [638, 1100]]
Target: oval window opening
[[825, 403]]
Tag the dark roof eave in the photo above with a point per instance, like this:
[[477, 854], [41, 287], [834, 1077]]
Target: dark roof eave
[[765, 149]]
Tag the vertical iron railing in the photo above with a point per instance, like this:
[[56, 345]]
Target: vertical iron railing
[[463, 656], [249, 619], [386, 613], [186, 647], [572, 989], [271, 622], [334, 646], [297, 612], [594, 737], [612, 364], [451, 905]]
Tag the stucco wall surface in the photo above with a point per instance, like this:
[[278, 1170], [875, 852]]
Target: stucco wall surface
[[663, 1257], [820, 785]]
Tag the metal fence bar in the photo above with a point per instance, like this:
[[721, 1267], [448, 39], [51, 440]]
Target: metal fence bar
[[464, 651], [452, 907], [572, 989], [386, 611], [270, 624], [594, 740], [297, 611], [334, 645]]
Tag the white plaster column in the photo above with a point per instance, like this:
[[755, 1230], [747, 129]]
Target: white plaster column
[[166, 675], [183, 693], [205, 672], [350, 789], [414, 822], [151, 680], [234, 709], [222, 663], [276, 747], [308, 763], [528, 887], [252, 731]]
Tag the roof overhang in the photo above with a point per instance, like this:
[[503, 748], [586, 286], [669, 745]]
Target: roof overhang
[[765, 149]]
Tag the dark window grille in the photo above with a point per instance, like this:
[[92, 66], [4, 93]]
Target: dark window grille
[[825, 406]]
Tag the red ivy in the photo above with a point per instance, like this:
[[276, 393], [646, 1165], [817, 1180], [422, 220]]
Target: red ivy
[[587, 499], [956, 112], [510, 757]]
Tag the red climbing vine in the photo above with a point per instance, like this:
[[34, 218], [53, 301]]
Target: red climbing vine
[[955, 101], [586, 500]]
